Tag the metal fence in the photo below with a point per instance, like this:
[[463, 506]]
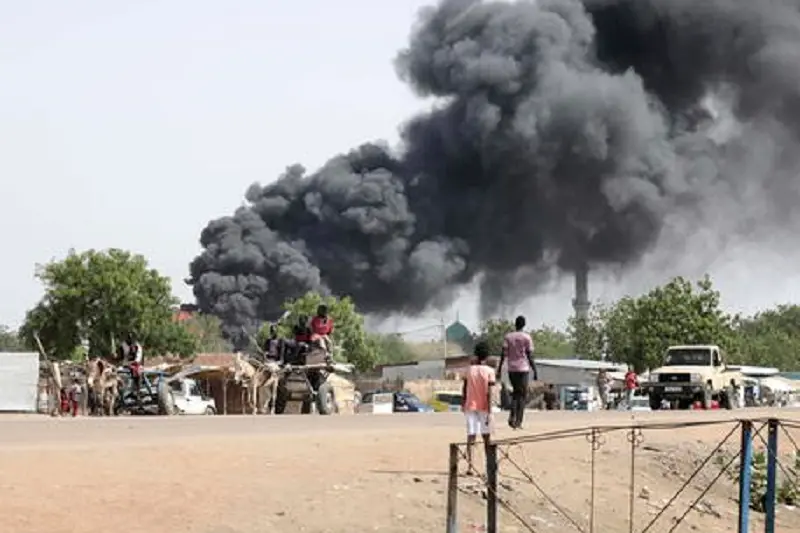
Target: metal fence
[[528, 484]]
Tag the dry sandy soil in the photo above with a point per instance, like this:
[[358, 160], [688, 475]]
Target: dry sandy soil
[[349, 474]]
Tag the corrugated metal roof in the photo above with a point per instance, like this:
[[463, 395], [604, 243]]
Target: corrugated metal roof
[[755, 370], [214, 359], [582, 364]]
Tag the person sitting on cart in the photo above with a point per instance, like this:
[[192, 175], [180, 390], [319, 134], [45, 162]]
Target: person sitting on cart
[[302, 337], [301, 331], [273, 348], [322, 328]]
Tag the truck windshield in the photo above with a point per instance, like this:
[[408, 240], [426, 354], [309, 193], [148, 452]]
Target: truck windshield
[[689, 357]]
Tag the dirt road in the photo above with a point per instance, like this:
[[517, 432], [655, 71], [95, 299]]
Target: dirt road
[[330, 474]]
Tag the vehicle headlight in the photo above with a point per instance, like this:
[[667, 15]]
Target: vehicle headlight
[[696, 377]]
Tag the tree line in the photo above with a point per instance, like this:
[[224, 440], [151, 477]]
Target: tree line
[[91, 299], [637, 330]]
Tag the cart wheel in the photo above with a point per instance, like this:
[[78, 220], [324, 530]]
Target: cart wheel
[[326, 402]]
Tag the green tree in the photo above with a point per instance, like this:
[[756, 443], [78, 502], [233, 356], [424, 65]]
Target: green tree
[[493, 331], [10, 340], [638, 331], [207, 331], [349, 333], [588, 334], [615, 324], [551, 343], [100, 296], [391, 349], [770, 338]]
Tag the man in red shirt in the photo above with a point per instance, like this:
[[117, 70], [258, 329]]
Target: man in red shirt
[[631, 384], [322, 327]]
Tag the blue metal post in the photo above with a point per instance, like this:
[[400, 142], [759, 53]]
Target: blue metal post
[[772, 471], [745, 472]]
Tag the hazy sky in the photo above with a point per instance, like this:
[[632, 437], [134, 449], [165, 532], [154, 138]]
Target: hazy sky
[[131, 124]]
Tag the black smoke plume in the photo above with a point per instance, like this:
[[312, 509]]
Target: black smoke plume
[[563, 132]]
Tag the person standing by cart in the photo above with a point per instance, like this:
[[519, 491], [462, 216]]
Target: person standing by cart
[[134, 355], [273, 348]]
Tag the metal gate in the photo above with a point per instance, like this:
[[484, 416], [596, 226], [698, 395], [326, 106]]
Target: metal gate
[[746, 454]]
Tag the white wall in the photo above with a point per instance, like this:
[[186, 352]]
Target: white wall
[[19, 381]]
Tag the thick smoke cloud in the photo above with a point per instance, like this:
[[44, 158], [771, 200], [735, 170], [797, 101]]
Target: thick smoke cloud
[[565, 132]]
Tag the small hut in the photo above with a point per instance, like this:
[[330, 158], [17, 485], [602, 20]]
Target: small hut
[[215, 377]]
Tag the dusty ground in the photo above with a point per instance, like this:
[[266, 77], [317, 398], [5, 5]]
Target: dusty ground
[[343, 474]]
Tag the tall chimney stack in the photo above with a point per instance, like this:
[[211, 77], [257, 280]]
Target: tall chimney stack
[[581, 301]]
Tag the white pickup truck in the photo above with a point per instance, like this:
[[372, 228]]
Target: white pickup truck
[[188, 399], [690, 374]]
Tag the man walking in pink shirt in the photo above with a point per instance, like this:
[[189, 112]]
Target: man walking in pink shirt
[[477, 401], [518, 351]]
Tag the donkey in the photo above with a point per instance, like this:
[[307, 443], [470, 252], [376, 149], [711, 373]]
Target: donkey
[[257, 375], [102, 384]]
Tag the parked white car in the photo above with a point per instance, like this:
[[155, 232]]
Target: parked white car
[[189, 399]]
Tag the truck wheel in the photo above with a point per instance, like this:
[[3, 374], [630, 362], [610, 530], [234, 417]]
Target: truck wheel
[[655, 402], [326, 403], [210, 411]]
